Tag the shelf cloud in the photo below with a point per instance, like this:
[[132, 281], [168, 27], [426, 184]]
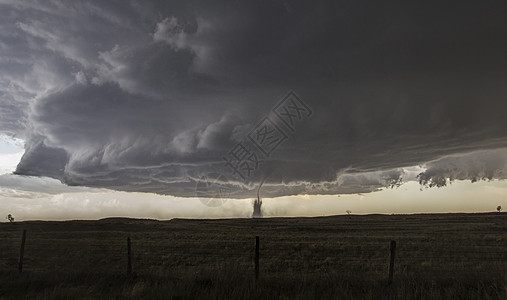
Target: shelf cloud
[[156, 96]]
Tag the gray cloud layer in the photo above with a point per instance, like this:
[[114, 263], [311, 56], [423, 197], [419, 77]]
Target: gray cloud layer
[[148, 96], [480, 165]]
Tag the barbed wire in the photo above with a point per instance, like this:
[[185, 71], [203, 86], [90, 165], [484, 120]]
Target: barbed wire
[[107, 251]]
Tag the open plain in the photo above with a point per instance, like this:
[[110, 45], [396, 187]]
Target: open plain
[[437, 256]]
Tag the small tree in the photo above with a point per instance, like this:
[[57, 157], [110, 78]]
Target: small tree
[[499, 208], [10, 218], [348, 212]]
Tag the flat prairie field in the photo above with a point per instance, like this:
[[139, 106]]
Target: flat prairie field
[[435, 256]]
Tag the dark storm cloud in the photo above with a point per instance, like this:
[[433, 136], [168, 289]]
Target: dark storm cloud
[[484, 165], [40, 160], [148, 96]]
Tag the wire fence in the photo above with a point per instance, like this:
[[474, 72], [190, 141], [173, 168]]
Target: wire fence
[[162, 252]]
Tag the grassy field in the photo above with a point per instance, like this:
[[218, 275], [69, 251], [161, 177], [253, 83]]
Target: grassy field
[[438, 256]]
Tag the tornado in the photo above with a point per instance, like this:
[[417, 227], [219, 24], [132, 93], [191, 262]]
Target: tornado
[[257, 204]]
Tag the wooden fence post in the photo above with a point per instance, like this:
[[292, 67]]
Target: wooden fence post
[[22, 252], [129, 257], [256, 259], [391, 262]]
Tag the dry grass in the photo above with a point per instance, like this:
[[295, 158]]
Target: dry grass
[[438, 257]]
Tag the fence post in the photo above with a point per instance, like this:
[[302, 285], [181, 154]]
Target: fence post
[[391, 262], [256, 259], [22, 252], [129, 257]]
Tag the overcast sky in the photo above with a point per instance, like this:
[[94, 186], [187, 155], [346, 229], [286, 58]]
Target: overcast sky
[[174, 98]]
